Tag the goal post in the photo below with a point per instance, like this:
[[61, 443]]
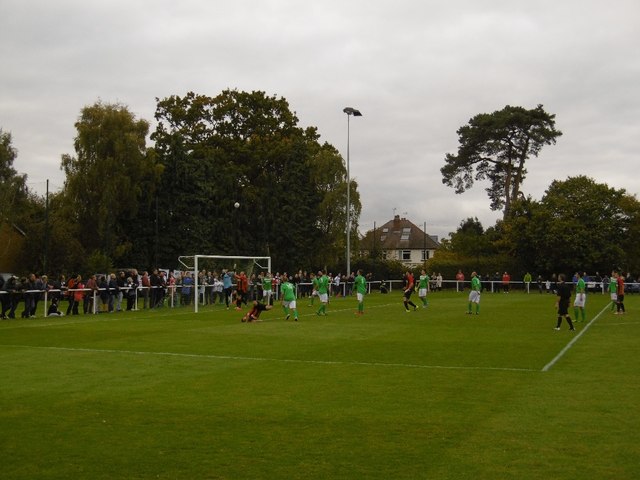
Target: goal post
[[195, 263]]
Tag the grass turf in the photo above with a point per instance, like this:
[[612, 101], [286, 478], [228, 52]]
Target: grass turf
[[428, 394]]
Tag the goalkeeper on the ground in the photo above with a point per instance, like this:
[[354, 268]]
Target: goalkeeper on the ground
[[253, 315]]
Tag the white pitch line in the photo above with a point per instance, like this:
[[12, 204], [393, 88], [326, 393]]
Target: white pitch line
[[548, 366], [282, 360]]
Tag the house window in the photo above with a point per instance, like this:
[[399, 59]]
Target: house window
[[405, 255], [385, 230], [405, 233], [425, 255], [383, 238]]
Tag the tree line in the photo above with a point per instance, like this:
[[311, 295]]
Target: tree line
[[578, 225], [127, 204]]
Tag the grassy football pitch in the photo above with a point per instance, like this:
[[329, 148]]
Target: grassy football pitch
[[433, 393]]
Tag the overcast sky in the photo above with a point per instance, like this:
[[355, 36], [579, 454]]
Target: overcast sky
[[416, 69]]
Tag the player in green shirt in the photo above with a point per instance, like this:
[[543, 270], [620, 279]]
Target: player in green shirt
[[527, 281], [423, 287], [581, 298], [474, 293], [267, 288], [613, 292], [314, 288], [360, 284], [288, 292], [323, 292]]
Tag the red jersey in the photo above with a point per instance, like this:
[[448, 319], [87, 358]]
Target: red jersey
[[409, 281], [78, 295], [620, 285], [243, 283]]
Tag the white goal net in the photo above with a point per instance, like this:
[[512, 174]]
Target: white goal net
[[201, 265]]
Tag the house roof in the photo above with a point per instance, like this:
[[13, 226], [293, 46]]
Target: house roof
[[398, 233]]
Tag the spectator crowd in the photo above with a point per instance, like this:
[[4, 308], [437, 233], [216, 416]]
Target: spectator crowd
[[129, 290]]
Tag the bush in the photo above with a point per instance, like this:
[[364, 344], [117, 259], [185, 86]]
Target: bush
[[380, 269], [448, 265]]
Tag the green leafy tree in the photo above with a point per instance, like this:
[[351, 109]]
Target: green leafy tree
[[579, 224], [329, 176], [495, 147], [629, 243], [111, 178], [470, 240], [18, 211], [13, 188], [53, 245], [246, 148], [471, 247]]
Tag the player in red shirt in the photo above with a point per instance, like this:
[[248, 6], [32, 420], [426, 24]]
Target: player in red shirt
[[408, 290], [506, 279], [254, 314], [242, 287], [620, 293]]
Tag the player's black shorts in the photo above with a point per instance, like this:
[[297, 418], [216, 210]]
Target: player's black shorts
[[407, 293], [563, 307]]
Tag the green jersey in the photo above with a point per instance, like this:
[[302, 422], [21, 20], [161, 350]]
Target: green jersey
[[475, 284], [580, 287], [361, 284], [613, 285], [323, 284], [288, 291], [267, 283], [315, 283], [424, 281]]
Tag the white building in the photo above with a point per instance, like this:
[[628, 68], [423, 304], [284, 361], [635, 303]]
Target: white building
[[399, 239]]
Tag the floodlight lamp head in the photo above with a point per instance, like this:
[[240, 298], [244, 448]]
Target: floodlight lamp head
[[352, 111]]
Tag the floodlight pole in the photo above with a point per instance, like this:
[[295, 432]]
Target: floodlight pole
[[356, 113]]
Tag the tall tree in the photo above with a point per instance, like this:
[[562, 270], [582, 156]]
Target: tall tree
[[238, 147], [329, 176], [112, 176], [13, 187], [495, 147]]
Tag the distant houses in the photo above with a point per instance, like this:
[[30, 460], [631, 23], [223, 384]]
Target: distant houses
[[400, 239]]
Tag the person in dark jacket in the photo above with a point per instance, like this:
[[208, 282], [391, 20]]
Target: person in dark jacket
[[4, 299], [564, 295]]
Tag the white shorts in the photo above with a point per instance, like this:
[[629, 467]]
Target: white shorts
[[290, 304], [422, 292], [581, 299], [474, 296], [360, 297], [324, 297], [267, 293], [614, 297]]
